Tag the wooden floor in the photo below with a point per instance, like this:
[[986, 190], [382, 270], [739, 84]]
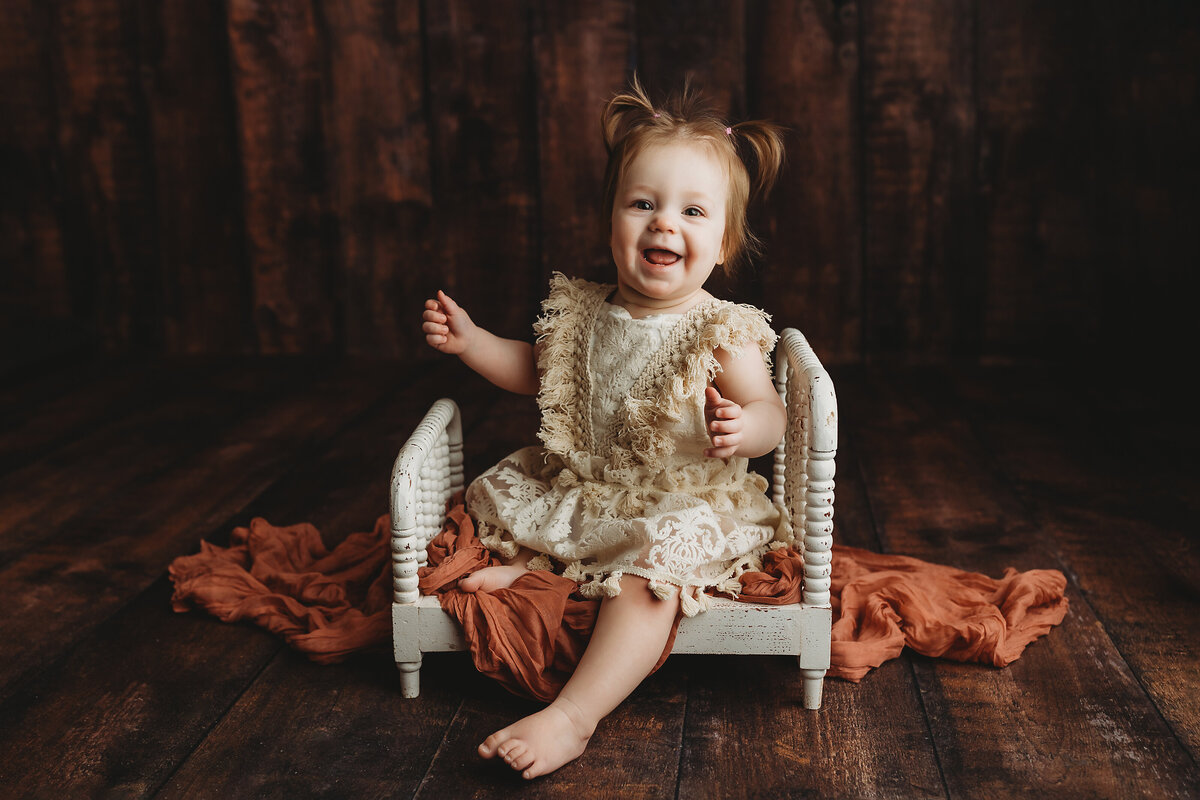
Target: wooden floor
[[107, 473]]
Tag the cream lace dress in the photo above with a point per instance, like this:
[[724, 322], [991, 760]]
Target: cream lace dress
[[621, 485]]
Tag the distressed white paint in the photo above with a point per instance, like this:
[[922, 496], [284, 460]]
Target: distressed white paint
[[429, 470]]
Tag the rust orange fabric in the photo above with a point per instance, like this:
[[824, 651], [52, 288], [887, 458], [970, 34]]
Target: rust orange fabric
[[331, 603], [327, 604]]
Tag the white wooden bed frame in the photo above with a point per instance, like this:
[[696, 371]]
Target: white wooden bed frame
[[429, 469]]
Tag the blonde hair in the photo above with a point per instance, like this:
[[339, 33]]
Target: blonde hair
[[751, 153]]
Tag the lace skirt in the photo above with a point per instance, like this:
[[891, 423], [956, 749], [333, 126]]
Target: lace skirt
[[698, 523]]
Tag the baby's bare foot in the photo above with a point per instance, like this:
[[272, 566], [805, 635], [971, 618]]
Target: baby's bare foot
[[489, 579], [541, 742]]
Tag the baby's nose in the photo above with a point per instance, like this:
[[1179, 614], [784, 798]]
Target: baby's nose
[[662, 222]]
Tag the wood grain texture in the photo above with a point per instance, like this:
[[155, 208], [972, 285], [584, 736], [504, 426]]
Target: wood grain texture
[[1147, 69], [36, 278], [922, 269], [183, 53], [633, 754], [1129, 490], [996, 181], [345, 732], [109, 216], [482, 107], [1042, 136], [117, 713], [280, 89], [582, 51], [936, 496], [127, 533], [42, 415], [184, 409], [804, 73], [702, 41], [380, 172]]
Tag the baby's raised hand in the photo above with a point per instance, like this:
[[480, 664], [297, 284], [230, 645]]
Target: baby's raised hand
[[447, 327], [723, 420]]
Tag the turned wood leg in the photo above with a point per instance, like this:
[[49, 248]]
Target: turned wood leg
[[814, 681], [410, 678]]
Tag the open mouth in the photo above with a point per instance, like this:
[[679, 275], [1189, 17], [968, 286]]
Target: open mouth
[[660, 258]]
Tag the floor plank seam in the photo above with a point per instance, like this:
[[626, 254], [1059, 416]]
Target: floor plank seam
[[1104, 620], [907, 654], [31, 675], [438, 750], [687, 705], [937, 756], [217, 720], [15, 462]]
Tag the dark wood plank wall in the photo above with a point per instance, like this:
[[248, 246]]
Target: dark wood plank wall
[[967, 179]]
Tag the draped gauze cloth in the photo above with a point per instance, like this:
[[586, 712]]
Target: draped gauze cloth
[[529, 637]]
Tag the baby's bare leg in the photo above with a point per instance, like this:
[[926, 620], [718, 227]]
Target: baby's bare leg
[[630, 634], [489, 579]]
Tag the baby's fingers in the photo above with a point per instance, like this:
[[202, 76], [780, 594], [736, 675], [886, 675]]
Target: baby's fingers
[[725, 426], [435, 328], [724, 451], [727, 410]]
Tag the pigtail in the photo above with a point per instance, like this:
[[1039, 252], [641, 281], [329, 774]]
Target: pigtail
[[764, 140], [624, 112]]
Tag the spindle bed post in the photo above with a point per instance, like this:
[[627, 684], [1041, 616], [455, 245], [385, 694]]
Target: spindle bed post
[[803, 482], [427, 472]]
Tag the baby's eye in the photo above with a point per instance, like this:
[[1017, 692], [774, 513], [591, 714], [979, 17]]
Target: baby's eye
[[693, 211], [643, 205]]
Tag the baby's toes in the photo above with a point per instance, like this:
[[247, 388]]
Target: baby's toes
[[491, 746], [519, 756]]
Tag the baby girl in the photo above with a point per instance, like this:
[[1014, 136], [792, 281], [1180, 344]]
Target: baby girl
[[653, 394]]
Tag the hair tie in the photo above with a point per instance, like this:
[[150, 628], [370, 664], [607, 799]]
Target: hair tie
[[728, 131], [657, 115]]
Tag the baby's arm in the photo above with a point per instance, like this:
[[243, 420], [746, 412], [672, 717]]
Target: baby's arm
[[508, 363], [744, 414]]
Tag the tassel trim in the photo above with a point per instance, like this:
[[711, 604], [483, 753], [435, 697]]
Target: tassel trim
[[540, 563]]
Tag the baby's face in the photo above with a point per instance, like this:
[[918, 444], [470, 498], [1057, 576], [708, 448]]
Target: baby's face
[[668, 220]]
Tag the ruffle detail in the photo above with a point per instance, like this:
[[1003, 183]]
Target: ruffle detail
[[568, 313], [676, 377], [681, 372]]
